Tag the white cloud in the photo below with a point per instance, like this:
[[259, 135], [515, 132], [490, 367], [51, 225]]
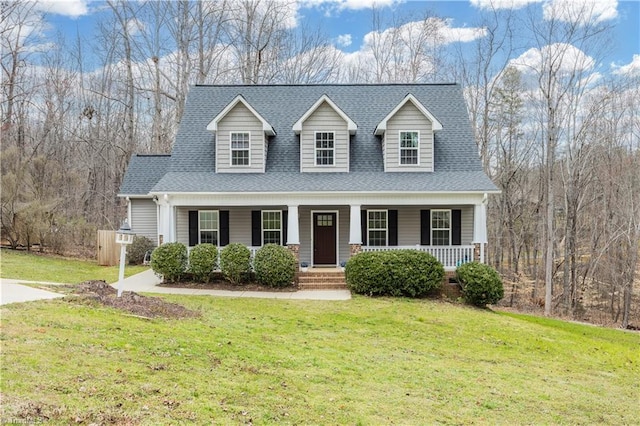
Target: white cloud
[[347, 4], [502, 4], [344, 40], [571, 59], [451, 34], [581, 11], [631, 69], [70, 8], [135, 26]]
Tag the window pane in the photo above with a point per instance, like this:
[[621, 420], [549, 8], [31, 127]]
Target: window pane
[[377, 238], [440, 238], [210, 237], [324, 148], [409, 139], [408, 156], [240, 158], [271, 237], [208, 220]]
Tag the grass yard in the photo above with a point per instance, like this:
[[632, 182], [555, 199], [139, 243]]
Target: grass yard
[[33, 267], [363, 361]]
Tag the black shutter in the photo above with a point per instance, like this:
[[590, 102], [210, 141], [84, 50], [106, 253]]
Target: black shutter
[[193, 228], [456, 227], [285, 218], [393, 227], [256, 228], [224, 228], [363, 226], [425, 227]]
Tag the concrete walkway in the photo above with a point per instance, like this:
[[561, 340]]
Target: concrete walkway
[[12, 291], [147, 282]]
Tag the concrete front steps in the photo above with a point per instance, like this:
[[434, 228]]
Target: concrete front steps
[[322, 279]]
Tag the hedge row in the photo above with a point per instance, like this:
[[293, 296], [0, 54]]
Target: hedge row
[[409, 273], [273, 266]]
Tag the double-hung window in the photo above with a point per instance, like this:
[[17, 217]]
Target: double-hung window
[[325, 148], [441, 227], [377, 228], [409, 142], [208, 226], [272, 227], [240, 142]]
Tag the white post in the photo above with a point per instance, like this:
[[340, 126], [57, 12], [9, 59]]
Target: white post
[[123, 254], [355, 230], [293, 231]]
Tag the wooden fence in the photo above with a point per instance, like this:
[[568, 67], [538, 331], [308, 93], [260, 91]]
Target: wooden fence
[[108, 250]]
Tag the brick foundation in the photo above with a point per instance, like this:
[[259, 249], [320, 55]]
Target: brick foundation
[[355, 249], [450, 290], [295, 249]]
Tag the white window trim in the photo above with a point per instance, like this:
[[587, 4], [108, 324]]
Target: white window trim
[[386, 230], [400, 148], [231, 149], [441, 229], [262, 228], [216, 229], [316, 149]]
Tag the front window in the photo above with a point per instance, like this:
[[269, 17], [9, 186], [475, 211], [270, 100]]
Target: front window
[[208, 221], [240, 149], [441, 227], [409, 142], [324, 148], [271, 227], [377, 227]]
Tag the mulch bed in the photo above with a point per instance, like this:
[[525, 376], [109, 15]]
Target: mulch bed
[[131, 302], [226, 285]]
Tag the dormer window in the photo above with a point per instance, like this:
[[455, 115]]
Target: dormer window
[[240, 144], [409, 147], [325, 148]]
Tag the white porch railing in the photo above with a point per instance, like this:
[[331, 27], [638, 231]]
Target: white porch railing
[[449, 256]]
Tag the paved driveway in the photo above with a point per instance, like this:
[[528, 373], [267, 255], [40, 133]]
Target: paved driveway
[[11, 291]]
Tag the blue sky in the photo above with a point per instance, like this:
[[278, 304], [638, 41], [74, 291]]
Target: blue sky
[[345, 20]]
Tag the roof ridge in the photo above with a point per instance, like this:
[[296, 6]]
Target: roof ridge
[[153, 155]]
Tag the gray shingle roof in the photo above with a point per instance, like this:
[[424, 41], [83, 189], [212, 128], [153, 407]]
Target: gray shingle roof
[[457, 165], [143, 173]]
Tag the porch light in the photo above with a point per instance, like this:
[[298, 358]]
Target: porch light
[[124, 237]]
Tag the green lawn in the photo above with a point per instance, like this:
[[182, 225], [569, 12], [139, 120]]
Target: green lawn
[[363, 361], [34, 267]]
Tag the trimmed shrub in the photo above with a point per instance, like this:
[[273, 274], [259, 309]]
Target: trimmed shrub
[[481, 284], [410, 273], [235, 262], [136, 251], [275, 266], [203, 260], [170, 261]]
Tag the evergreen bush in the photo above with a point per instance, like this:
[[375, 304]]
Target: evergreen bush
[[481, 284], [136, 251], [409, 273], [275, 266], [203, 260], [235, 263], [170, 261]]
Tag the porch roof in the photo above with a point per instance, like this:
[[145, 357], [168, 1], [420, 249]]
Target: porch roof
[[210, 182]]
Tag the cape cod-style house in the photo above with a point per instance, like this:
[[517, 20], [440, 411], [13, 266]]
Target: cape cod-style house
[[327, 170]]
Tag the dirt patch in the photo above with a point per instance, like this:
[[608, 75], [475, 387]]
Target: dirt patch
[[131, 302]]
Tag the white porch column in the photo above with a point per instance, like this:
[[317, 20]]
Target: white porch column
[[293, 231], [355, 225], [166, 218], [480, 226]]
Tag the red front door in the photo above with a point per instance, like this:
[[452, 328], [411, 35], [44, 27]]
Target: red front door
[[324, 239]]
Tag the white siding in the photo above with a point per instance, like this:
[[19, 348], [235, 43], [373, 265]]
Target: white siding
[[240, 119], [408, 118], [324, 119], [144, 218]]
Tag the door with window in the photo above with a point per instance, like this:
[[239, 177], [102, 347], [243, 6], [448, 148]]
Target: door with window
[[324, 238]]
